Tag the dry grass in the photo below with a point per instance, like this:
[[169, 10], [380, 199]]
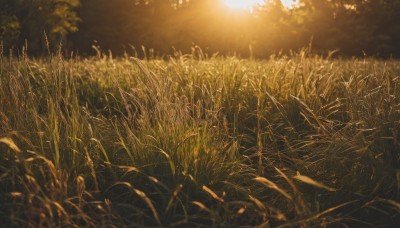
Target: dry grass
[[218, 142]]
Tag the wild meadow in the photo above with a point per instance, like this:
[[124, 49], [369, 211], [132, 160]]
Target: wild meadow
[[194, 141]]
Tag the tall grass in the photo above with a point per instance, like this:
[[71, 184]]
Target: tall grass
[[300, 141]]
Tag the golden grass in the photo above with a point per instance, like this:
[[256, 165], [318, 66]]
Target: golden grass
[[184, 142]]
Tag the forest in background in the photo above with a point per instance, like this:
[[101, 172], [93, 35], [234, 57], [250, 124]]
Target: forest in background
[[300, 140], [349, 27]]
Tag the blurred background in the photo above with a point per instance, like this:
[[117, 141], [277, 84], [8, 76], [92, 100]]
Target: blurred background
[[164, 27]]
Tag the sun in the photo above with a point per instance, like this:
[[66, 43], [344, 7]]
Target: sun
[[243, 4], [290, 3], [250, 4]]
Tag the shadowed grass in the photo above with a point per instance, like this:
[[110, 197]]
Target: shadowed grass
[[218, 142]]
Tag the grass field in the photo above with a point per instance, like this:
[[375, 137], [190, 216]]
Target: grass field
[[224, 142]]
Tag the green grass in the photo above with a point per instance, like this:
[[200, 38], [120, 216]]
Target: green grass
[[224, 142]]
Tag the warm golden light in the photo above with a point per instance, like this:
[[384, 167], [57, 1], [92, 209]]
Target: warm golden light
[[250, 4], [289, 3], [243, 4]]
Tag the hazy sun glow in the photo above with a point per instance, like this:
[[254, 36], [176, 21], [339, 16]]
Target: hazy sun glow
[[249, 4], [289, 3], [242, 4]]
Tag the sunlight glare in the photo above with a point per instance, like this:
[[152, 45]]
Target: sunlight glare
[[289, 3], [250, 4], [243, 4]]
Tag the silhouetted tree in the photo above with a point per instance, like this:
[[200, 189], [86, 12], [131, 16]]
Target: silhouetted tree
[[353, 27], [29, 20]]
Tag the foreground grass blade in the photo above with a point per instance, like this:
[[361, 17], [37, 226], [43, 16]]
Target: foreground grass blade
[[308, 180], [212, 193], [272, 185], [317, 216], [143, 196], [10, 143]]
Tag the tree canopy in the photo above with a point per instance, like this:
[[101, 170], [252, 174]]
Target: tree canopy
[[353, 27], [37, 22]]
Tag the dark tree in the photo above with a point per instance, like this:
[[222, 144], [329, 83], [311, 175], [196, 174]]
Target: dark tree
[[29, 20]]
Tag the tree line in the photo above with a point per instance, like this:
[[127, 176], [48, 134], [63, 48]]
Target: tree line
[[350, 27]]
